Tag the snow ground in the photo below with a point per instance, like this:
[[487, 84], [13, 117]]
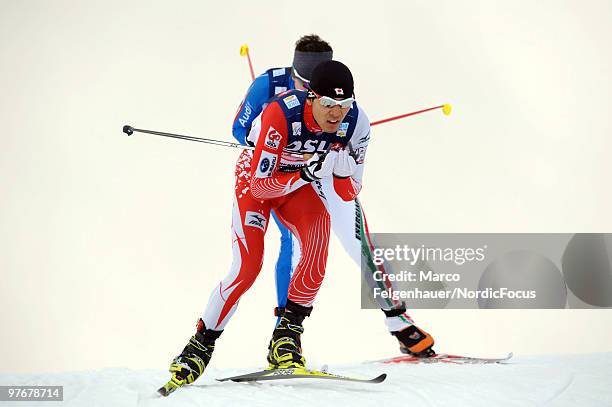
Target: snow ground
[[568, 380]]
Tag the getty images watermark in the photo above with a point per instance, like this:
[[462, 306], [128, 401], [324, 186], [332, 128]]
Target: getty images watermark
[[487, 271], [413, 255]]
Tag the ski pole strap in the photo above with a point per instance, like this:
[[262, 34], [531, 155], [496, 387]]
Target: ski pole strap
[[395, 312]]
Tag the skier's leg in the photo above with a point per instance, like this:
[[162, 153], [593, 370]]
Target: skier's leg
[[284, 266], [349, 223], [307, 218], [350, 226], [411, 338], [305, 215], [249, 223]]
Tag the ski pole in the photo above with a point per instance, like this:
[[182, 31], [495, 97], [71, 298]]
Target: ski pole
[[129, 130], [446, 109], [244, 51]]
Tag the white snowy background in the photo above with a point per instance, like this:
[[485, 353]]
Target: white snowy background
[[110, 245], [552, 381]]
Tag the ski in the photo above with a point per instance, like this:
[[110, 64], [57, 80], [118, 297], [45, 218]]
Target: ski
[[443, 358], [298, 373]]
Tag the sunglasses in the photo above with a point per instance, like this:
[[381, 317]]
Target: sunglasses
[[326, 101]]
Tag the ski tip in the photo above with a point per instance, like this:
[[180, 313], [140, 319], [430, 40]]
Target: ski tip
[[380, 378], [168, 388]]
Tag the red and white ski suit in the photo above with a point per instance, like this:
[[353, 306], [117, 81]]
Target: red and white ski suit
[[270, 179]]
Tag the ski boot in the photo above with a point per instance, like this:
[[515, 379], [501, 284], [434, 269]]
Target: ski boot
[[413, 340], [285, 349], [190, 364]]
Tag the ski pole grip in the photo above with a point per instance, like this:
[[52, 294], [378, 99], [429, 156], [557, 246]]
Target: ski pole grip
[[129, 130]]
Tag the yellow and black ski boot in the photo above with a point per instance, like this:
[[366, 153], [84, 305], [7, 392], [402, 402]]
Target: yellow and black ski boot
[[190, 364], [285, 349]]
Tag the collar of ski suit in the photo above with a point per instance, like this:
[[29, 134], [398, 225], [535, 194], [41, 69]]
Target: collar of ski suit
[[309, 119]]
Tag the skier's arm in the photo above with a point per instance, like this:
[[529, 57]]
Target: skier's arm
[[250, 108], [349, 187], [267, 181]]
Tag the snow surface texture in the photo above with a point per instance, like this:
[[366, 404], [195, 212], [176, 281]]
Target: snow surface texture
[[575, 380]]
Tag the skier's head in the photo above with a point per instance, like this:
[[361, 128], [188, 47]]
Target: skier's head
[[310, 50], [331, 94]]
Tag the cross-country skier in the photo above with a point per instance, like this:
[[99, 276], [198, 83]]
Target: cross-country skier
[[347, 218], [276, 176]]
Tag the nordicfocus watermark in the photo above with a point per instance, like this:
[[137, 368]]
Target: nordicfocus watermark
[[455, 293], [487, 271]]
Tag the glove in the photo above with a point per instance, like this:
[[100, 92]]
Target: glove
[[345, 165], [319, 166]]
